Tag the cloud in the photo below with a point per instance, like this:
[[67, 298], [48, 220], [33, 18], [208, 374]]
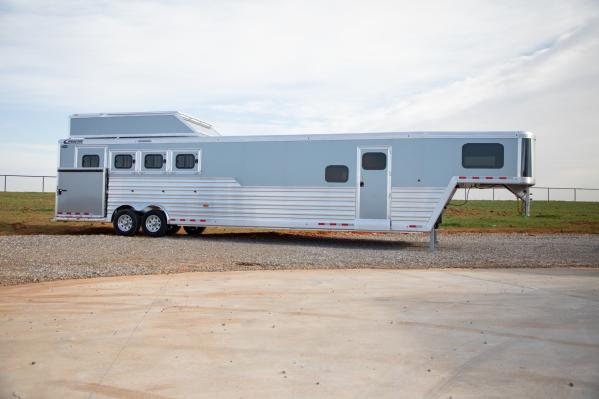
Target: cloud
[[570, 59], [148, 53]]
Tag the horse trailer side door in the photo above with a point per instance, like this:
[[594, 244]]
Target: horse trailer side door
[[374, 181], [81, 193]]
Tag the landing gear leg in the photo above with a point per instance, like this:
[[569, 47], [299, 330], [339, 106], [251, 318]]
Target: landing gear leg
[[526, 210], [433, 240]]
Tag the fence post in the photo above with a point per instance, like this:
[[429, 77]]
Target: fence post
[[43, 178], [4, 183], [493, 193], [547, 194], [574, 194]]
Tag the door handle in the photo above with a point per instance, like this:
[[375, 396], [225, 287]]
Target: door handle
[[361, 184], [61, 190]]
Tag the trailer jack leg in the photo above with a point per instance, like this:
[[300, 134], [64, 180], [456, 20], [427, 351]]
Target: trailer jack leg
[[433, 240], [526, 210], [523, 195]]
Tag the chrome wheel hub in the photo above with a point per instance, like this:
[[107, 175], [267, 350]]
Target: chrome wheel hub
[[153, 223], [125, 222]]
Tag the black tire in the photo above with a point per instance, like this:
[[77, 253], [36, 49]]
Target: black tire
[[126, 222], [172, 229], [194, 230], [154, 224]]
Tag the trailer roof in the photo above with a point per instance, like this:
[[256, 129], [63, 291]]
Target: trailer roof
[[138, 124], [316, 137], [167, 125]]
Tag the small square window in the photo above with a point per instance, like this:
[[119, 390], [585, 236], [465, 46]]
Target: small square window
[[153, 161], [374, 161], [90, 161], [336, 173], [123, 161], [185, 161]]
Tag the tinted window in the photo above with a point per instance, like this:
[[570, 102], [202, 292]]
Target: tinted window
[[336, 173], [153, 161], [482, 156], [374, 161], [123, 161], [185, 161], [90, 161], [526, 158]]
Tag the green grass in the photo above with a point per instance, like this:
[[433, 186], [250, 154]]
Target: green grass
[[31, 213], [554, 216]]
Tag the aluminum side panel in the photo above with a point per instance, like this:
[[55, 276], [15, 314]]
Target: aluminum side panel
[[222, 200]]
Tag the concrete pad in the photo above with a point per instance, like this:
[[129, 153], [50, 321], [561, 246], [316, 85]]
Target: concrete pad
[[309, 333]]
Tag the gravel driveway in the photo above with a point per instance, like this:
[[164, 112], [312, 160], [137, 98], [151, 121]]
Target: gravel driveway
[[49, 257]]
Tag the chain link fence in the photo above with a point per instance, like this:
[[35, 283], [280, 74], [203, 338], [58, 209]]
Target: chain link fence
[[31, 183], [538, 193]]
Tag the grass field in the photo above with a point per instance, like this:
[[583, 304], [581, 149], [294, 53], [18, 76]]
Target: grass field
[[31, 213]]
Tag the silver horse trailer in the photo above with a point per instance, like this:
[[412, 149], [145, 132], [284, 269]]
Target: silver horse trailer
[[163, 170]]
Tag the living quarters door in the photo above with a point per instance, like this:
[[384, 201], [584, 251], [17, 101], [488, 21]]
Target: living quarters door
[[374, 187]]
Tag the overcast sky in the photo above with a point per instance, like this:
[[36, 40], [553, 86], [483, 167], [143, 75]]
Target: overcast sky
[[279, 67]]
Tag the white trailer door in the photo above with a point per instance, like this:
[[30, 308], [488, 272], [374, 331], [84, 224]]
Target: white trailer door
[[373, 188], [81, 193]]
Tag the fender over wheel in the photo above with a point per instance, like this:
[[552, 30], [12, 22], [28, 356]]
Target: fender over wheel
[[126, 222], [194, 230], [154, 223]]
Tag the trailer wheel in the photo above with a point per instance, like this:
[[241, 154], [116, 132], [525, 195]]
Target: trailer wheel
[[126, 222], [172, 229], [154, 224], [194, 230]]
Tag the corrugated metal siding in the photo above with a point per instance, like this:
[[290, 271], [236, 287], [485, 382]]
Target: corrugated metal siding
[[223, 199], [416, 205]]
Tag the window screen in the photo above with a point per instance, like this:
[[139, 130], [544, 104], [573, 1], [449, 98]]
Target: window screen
[[185, 161], [123, 161], [153, 161], [90, 161], [482, 156], [336, 173], [374, 161]]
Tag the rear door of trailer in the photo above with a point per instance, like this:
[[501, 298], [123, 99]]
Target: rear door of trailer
[[81, 190]]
